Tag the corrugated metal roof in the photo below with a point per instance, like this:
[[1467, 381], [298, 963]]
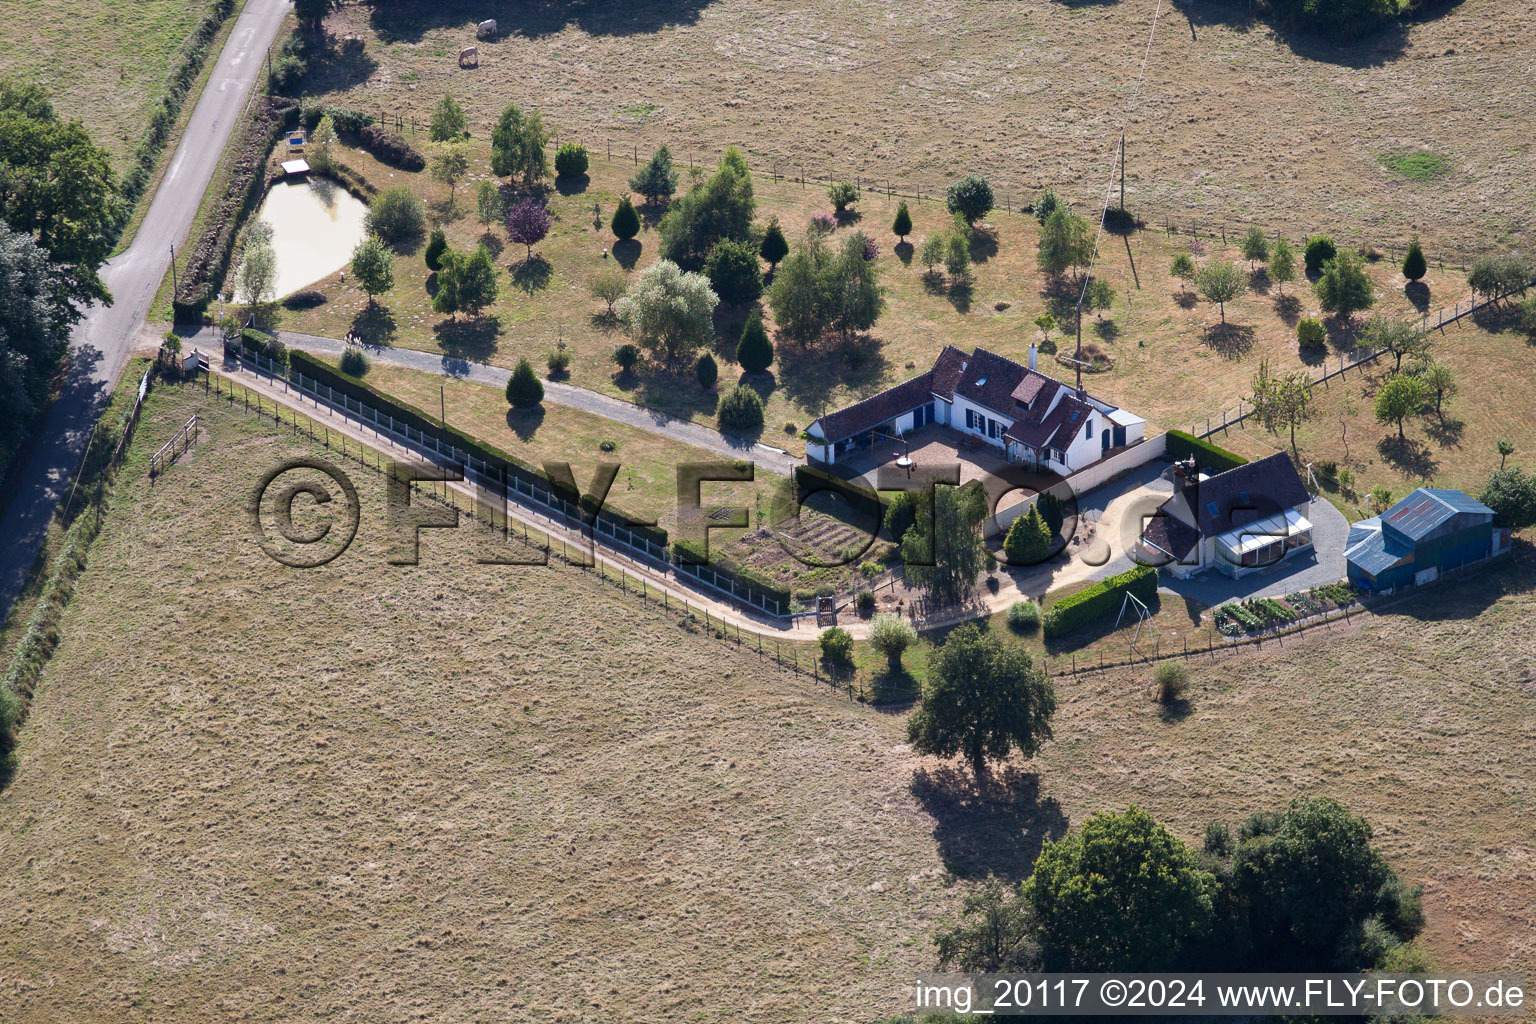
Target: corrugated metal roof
[[1375, 555], [1421, 512]]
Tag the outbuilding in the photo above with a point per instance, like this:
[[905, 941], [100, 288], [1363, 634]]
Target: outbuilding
[[1432, 530]]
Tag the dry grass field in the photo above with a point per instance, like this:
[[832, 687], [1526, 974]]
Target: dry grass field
[[1236, 122], [103, 61], [1174, 361], [462, 792]]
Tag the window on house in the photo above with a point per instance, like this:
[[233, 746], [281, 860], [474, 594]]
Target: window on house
[[1088, 430]]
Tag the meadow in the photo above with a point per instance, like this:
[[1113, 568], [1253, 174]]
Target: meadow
[[1173, 359], [1379, 139], [102, 62], [474, 792]]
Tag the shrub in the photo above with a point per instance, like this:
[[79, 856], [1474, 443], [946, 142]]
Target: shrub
[[558, 361], [971, 198], [864, 601], [1023, 616], [1045, 205], [570, 160], [308, 298], [1207, 456], [837, 646], [843, 195], [437, 244], [734, 272], [1320, 250], [822, 223], [1099, 603], [396, 215], [707, 371], [626, 221], [627, 356], [391, 149], [354, 361], [718, 208], [1171, 679], [1311, 334], [609, 285], [1528, 314], [890, 635], [741, 411], [754, 351], [1414, 264], [524, 389], [1512, 496]]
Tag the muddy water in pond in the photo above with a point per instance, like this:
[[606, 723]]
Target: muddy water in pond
[[315, 226]]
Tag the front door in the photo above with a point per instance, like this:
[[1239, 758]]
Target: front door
[[1104, 439]]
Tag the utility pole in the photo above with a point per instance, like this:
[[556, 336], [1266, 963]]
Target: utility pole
[[1122, 170], [1078, 358], [174, 286]]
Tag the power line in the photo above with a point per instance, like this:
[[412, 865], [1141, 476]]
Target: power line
[[1109, 185]]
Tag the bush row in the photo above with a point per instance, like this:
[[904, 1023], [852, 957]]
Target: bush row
[[500, 462], [1100, 602], [1208, 456], [209, 262], [42, 633], [347, 120], [185, 67], [391, 149], [689, 552]]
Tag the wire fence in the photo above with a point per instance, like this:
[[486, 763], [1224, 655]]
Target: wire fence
[[1443, 318], [796, 656], [1014, 194]]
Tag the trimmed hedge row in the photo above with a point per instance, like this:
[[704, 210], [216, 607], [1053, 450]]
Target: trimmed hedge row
[[205, 270], [730, 571], [185, 67], [1208, 456], [389, 148], [510, 466], [1100, 601]]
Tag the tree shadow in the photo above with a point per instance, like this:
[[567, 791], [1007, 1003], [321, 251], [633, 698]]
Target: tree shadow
[[492, 244], [1445, 433], [1409, 456], [525, 423], [447, 210], [893, 689], [375, 325], [1230, 340], [1497, 319], [532, 275], [673, 390], [1258, 281], [475, 339], [847, 216], [407, 244], [573, 186], [903, 251], [983, 245], [627, 253], [1174, 711], [1312, 356], [336, 69], [809, 375], [1373, 49], [1107, 330], [996, 830], [1417, 292], [604, 321], [1288, 309], [960, 295], [933, 282], [1185, 299], [1343, 335]]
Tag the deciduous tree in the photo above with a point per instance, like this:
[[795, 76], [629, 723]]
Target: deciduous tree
[[448, 121], [1183, 268], [891, 635], [717, 209], [1345, 288], [489, 206], [971, 198], [517, 145], [669, 311], [945, 556], [983, 700], [1400, 397], [1064, 243], [373, 267], [527, 224], [1220, 281], [1282, 264], [1254, 247]]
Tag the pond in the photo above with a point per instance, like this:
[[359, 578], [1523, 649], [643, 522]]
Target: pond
[[315, 226]]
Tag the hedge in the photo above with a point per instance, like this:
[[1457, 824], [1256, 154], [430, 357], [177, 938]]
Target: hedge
[[391, 149], [1208, 456], [1100, 602], [729, 570], [185, 67], [209, 262], [499, 461]]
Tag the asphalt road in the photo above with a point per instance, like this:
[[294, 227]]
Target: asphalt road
[[103, 340]]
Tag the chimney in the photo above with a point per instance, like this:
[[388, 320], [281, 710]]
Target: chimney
[[1033, 354]]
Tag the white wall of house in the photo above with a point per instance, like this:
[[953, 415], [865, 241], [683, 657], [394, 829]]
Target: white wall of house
[[958, 420]]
